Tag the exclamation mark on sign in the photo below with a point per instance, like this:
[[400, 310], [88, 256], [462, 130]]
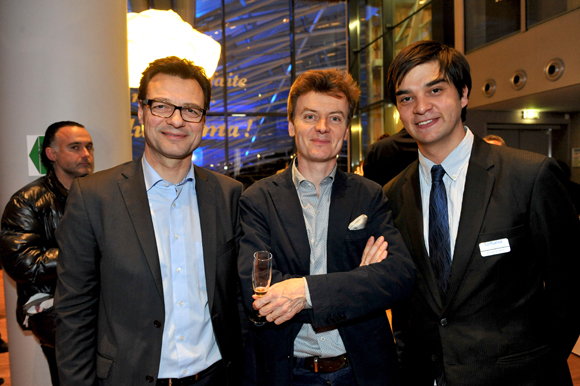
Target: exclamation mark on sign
[[247, 134]]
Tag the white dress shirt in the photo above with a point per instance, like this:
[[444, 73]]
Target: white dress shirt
[[455, 166]]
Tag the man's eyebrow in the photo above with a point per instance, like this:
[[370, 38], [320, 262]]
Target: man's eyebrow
[[402, 92], [429, 84], [79, 143], [436, 81], [192, 105], [187, 104], [309, 109]]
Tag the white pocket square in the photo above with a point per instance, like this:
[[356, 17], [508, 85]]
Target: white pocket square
[[358, 223]]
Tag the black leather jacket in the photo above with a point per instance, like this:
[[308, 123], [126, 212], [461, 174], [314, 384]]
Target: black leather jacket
[[28, 246]]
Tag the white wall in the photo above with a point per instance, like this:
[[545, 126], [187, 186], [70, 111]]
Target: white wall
[[60, 60], [530, 51]]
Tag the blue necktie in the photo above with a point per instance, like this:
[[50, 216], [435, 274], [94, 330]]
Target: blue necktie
[[439, 245]]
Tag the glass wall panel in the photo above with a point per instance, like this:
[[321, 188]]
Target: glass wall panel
[[364, 12], [371, 53], [374, 71], [405, 8], [487, 21], [258, 145], [385, 27], [415, 28], [258, 57], [366, 90], [541, 10], [208, 20], [375, 124], [320, 38]]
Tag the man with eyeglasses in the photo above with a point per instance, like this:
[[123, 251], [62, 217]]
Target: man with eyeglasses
[[147, 287]]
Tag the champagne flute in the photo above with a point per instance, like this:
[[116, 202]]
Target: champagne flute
[[261, 277]]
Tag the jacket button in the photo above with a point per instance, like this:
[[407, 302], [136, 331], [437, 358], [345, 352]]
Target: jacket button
[[157, 324], [444, 322], [434, 358], [149, 379]]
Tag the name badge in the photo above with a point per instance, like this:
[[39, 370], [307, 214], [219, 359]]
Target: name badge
[[494, 247]]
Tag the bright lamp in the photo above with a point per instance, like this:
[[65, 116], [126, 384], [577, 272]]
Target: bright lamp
[[155, 34]]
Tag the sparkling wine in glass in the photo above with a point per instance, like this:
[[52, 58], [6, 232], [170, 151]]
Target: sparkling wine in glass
[[261, 277]]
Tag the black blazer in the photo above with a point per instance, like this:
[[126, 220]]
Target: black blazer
[[509, 318], [388, 157], [109, 294], [351, 297]]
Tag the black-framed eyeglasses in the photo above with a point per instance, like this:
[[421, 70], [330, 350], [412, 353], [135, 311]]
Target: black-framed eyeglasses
[[166, 110]]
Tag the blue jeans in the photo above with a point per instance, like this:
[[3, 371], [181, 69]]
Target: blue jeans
[[303, 377]]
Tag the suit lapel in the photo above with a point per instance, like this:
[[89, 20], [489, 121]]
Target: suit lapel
[[341, 206], [133, 190], [206, 203], [478, 187], [287, 204], [413, 212]]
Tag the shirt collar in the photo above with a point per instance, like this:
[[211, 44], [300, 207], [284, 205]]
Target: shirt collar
[[152, 178], [454, 162], [297, 177]]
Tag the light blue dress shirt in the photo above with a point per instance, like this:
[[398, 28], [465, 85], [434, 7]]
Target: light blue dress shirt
[[189, 344], [455, 166], [316, 211]]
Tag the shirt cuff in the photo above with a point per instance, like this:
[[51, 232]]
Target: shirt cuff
[[307, 293]]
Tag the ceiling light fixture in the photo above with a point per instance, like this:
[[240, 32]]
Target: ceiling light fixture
[[155, 34]]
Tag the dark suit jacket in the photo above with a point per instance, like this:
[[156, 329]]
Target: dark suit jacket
[[109, 294], [388, 157], [351, 297], [507, 319]]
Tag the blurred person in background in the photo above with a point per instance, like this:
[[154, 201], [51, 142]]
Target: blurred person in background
[[28, 245]]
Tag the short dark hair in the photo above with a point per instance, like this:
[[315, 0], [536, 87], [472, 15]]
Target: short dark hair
[[174, 66], [49, 139], [452, 65], [331, 82]]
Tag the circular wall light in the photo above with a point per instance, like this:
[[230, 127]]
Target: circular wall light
[[554, 69], [489, 88], [519, 79]]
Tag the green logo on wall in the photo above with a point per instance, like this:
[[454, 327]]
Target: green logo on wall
[[35, 153]]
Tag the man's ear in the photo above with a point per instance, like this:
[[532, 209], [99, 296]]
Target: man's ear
[[140, 111], [464, 98], [291, 129], [51, 154]]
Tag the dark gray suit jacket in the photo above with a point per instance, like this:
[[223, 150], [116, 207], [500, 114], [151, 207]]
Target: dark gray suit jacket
[[389, 156], [507, 319], [351, 297], [109, 295]]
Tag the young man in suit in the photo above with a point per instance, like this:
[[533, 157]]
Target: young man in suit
[[327, 231], [493, 235], [147, 279]]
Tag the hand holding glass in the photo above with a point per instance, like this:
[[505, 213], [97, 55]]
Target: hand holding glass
[[261, 277]]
